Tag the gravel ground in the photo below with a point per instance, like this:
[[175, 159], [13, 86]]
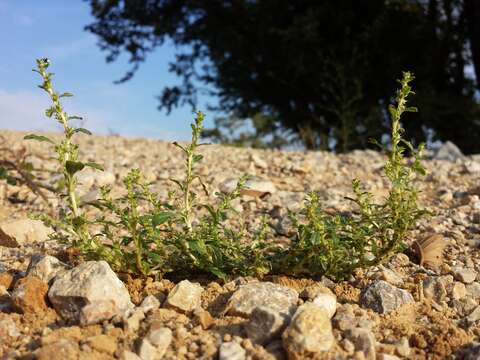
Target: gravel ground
[[396, 310]]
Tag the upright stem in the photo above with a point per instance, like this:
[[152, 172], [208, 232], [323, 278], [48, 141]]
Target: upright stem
[[69, 150], [188, 180]]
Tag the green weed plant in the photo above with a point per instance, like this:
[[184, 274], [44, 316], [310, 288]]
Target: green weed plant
[[141, 234]]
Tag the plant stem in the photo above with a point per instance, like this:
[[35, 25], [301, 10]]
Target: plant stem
[[66, 150], [188, 181]]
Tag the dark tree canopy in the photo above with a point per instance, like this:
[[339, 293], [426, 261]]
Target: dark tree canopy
[[319, 70]]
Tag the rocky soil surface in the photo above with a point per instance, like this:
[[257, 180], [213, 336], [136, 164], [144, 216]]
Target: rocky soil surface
[[53, 307]]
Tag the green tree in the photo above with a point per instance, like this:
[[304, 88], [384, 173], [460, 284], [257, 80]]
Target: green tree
[[319, 70]]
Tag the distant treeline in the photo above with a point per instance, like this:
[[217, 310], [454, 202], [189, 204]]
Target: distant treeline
[[316, 72]]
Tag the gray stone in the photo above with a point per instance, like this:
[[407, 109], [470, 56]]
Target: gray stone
[[402, 347], [265, 324], [150, 303], [474, 316], [20, 232], [328, 302], [449, 152], [146, 350], [132, 322], [258, 161], [464, 306], [45, 267], [160, 339], [458, 290], [309, 333], [390, 276], [472, 352], [473, 290], [464, 275], [385, 298], [348, 346], [278, 298], [364, 341], [472, 166], [434, 288], [85, 284], [231, 351], [312, 291], [97, 311], [184, 297], [344, 321], [90, 177]]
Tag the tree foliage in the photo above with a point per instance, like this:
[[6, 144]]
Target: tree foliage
[[318, 70]]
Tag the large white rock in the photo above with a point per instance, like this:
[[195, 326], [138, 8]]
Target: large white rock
[[88, 283], [185, 296], [277, 298], [384, 298], [19, 232], [327, 302], [309, 333]]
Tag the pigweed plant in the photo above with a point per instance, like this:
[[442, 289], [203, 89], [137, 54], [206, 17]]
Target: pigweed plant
[[210, 245], [142, 234], [73, 221], [137, 232], [336, 245]]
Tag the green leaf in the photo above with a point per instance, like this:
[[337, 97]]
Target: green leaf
[[94, 166], [155, 257], [211, 210], [218, 273], [50, 111], [74, 166], [82, 130], [3, 173], [38, 138], [161, 218], [73, 117], [179, 146], [11, 181], [180, 185], [66, 94], [197, 158], [198, 247], [126, 240]]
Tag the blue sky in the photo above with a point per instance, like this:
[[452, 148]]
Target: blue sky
[[30, 29]]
